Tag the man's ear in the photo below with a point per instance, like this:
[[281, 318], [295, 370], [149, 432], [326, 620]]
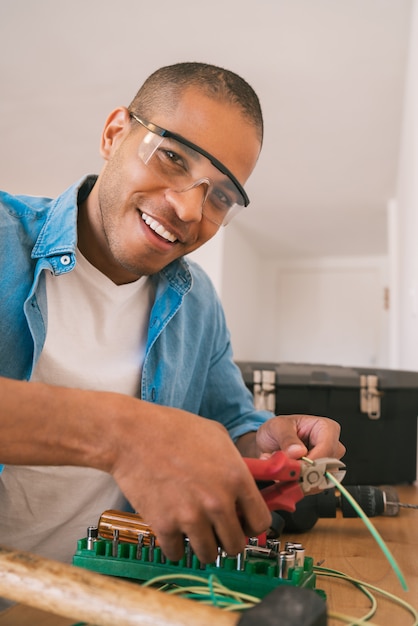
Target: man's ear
[[115, 129]]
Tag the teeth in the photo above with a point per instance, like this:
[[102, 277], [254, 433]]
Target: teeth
[[158, 228]]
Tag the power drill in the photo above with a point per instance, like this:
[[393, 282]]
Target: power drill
[[373, 500]]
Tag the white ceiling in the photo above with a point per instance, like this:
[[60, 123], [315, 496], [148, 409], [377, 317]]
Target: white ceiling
[[330, 75]]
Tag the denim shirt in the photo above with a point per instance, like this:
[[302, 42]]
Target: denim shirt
[[188, 362]]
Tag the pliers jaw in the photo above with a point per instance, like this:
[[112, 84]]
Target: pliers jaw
[[314, 477]]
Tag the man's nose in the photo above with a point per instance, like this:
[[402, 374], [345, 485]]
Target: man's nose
[[188, 203]]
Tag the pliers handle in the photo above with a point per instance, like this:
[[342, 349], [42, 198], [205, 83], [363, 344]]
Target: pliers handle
[[293, 479]]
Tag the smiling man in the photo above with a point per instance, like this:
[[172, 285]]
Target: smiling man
[[118, 384]]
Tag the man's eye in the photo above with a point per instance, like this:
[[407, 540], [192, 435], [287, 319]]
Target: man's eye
[[221, 199], [172, 158]]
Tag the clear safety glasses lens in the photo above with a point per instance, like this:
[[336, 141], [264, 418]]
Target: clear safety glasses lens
[[182, 168]]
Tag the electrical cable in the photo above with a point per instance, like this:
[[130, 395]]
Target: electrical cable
[[324, 571], [375, 534], [379, 540], [352, 621], [210, 591]]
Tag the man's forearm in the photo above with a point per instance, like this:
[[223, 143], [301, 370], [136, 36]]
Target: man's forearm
[[49, 425]]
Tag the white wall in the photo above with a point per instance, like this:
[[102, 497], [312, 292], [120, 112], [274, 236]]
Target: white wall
[[405, 262], [404, 214], [245, 295], [332, 310], [322, 310]]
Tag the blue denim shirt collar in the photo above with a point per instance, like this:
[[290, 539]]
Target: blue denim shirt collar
[[58, 235]]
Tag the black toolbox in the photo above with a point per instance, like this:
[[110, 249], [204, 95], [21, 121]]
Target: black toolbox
[[376, 408]]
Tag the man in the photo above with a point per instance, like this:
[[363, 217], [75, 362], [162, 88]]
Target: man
[[118, 381]]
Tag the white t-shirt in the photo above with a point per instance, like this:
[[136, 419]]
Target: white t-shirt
[[96, 339]]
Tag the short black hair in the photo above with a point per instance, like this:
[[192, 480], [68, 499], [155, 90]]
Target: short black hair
[[163, 88]]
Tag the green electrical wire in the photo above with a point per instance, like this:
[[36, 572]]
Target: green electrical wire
[[358, 621], [379, 540], [363, 586], [209, 591], [348, 619]]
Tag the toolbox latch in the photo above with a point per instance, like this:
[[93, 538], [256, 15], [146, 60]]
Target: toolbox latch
[[264, 390], [370, 396]]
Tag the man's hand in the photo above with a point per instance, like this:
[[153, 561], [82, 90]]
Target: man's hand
[[297, 435], [185, 477]]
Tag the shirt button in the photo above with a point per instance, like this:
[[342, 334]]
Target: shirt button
[[65, 260]]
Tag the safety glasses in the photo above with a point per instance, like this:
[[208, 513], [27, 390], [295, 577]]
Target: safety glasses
[[182, 165]]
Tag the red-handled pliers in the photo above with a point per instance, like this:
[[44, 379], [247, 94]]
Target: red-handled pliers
[[293, 479]]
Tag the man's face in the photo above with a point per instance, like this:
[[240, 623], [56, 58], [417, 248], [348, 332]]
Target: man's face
[[133, 224]]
